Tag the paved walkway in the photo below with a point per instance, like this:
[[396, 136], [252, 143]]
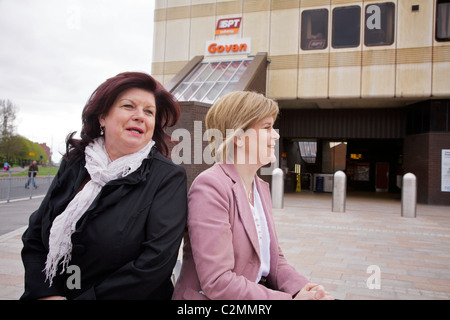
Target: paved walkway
[[11, 268], [410, 255]]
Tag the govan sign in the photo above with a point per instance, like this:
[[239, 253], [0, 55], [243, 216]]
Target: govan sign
[[228, 47]]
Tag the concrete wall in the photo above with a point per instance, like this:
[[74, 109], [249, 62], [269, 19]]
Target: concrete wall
[[422, 157]]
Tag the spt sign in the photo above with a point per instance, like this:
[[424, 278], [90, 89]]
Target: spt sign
[[228, 26]]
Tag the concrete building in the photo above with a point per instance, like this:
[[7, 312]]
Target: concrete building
[[363, 86]]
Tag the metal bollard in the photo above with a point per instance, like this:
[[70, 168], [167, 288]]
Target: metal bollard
[[409, 195], [277, 188], [339, 191]]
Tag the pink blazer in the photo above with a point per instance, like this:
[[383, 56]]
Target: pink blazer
[[221, 256]]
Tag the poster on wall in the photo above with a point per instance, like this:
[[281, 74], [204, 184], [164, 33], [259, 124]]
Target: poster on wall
[[362, 172], [445, 171]]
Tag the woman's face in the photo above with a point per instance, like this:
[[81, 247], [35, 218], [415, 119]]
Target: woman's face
[[130, 122], [259, 142]]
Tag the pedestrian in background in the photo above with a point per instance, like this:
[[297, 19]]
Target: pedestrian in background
[[231, 249], [116, 209], [32, 171]]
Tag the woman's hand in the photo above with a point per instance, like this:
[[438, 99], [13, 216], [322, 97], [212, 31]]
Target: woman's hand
[[53, 298], [312, 291]]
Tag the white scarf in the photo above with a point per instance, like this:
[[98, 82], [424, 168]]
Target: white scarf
[[101, 171]]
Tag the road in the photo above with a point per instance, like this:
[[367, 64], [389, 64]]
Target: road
[[22, 202], [14, 187], [15, 214]]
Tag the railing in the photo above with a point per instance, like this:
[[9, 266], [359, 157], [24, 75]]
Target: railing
[[14, 187]]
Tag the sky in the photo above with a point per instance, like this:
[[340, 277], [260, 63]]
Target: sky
[[55, 53]]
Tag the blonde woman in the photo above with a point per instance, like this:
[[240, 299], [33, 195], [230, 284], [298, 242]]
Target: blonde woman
[[231, 249]]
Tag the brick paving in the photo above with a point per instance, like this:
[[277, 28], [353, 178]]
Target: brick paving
[[11, 268], [335, 249]]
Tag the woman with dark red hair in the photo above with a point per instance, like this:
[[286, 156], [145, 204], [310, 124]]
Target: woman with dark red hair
[[112, 221]]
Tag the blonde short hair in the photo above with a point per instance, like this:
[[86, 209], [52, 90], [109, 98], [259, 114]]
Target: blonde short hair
[[233, 113]]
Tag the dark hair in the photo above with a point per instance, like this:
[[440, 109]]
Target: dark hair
[[167, 111]]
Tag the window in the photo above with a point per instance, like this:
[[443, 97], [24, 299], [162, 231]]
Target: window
[[346, 27], [308, 151], [380, 24], [314, 29], [443, 20], [210, 80]]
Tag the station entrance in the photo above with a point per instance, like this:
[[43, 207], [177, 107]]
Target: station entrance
[[375, 147], [366, 144], [373, 165]]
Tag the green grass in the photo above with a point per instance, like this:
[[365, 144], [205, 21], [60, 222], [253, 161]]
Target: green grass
[[43, 171]]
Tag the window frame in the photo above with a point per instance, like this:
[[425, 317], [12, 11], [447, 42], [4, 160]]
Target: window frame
[[392, 25], [333, 29], [210, 80], [438, 2], [303, 37]]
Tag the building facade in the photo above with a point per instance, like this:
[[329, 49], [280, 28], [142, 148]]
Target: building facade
[[363, 86]]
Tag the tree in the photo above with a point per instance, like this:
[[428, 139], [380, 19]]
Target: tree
[[14, 147], [34, 148], [7, 117], [8, 144]]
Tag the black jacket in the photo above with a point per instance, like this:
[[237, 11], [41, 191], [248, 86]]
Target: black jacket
[[125, 245], [32, 170]]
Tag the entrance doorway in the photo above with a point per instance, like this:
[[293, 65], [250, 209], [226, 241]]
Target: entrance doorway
[[382, 176], [372, 165]]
